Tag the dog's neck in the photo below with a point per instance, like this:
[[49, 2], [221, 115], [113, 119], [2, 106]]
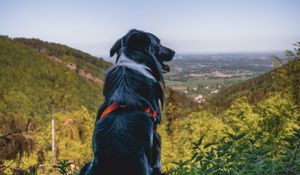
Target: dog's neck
[[123, 60]]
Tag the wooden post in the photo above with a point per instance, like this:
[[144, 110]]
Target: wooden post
[[53, 137]]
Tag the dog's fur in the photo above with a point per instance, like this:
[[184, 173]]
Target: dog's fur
[[125, 141]]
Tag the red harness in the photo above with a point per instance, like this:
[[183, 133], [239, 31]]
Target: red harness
[[115, 106]]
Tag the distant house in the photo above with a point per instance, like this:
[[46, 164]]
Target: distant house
[[199, 99]]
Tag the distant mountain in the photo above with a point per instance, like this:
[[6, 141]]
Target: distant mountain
[[229, 56]]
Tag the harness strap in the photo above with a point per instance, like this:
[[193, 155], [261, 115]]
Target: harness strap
[[112, 107], [109, 109]]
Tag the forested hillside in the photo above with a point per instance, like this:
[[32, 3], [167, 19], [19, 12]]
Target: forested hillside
[[257, 130], [72, 58], [251, 127], [33, 88], [259, 88]]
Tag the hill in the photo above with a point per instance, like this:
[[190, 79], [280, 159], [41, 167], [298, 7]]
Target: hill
[[83, 63], [41, 76], [39, 80], [249, 128], [260, 87]]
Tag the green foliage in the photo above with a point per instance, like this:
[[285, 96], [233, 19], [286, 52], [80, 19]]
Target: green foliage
[[32, 170], [290, 73], [32, 87], [262, 139], [63, 166], [246, 138]]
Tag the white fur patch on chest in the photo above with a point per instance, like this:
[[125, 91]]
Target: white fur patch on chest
[[144, 70]]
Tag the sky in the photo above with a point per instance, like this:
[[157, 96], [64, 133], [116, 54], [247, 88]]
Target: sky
[[187, 26]]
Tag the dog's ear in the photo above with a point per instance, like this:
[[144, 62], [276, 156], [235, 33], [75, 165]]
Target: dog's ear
[[137, 41], [115, 48]]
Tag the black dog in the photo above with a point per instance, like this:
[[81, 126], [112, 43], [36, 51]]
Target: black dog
[[125, 140]]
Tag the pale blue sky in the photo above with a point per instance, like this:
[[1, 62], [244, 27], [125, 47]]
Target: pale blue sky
[[195, 26]]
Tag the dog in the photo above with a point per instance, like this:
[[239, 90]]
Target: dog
[[125, 140]]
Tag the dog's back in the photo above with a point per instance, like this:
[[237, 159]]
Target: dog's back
[[122, 143]]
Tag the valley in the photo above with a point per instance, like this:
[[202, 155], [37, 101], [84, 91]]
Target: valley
[[202, 75]]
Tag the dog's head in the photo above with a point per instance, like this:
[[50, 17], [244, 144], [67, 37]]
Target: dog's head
[[137, 42]]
